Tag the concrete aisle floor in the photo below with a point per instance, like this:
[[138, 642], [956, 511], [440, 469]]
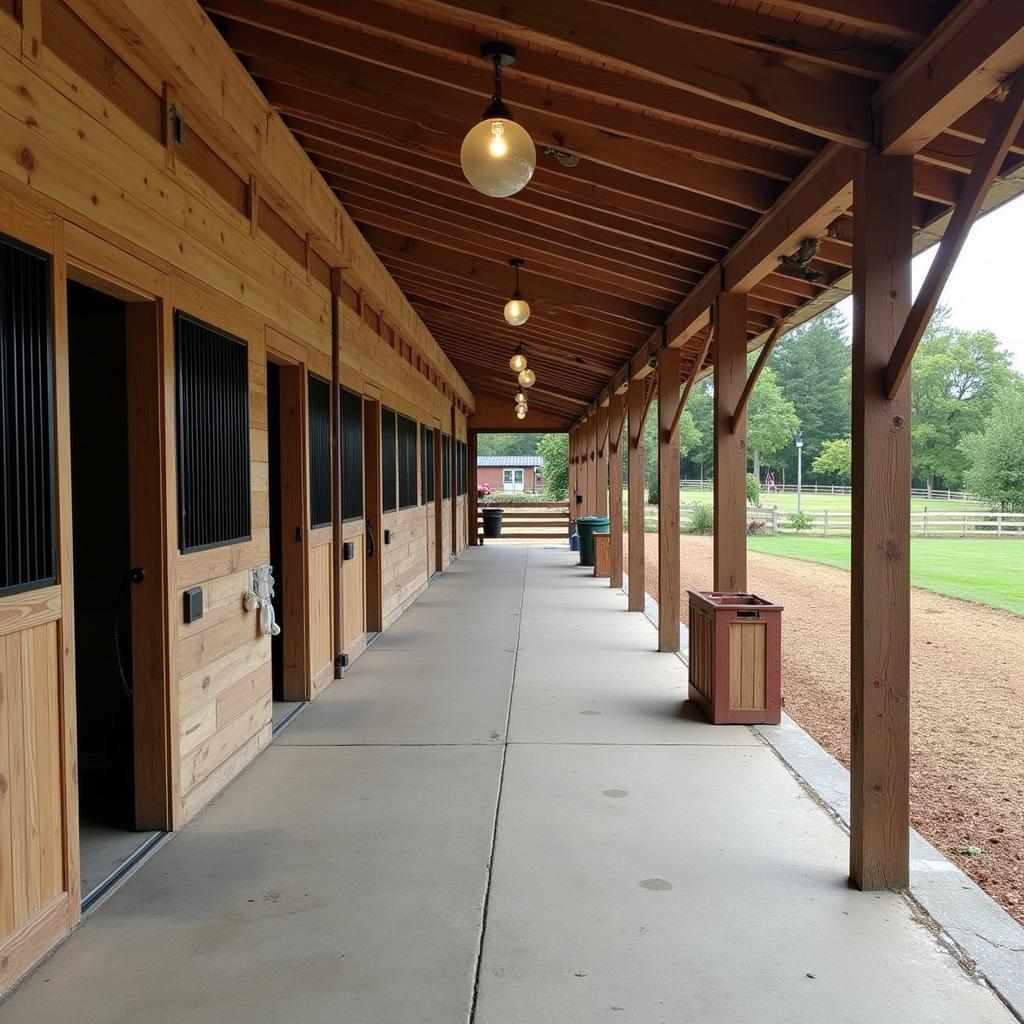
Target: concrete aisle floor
[[647, 867]]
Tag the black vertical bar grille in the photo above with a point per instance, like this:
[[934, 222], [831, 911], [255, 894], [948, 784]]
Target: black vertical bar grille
[[319, 451], [351, 455], [446, 466], [28, 555], [427, 460], [388, 459], [212, 371], [406, 462]]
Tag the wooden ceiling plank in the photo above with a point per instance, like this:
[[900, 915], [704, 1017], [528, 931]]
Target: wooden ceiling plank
[[610, 186], [832, 105], [391, 176], [370, 184], [909, 20], [481, 245], [494, 275], [774, 35], [445, 111], [658, 206], [971, 55], [552, 71], [547, 106]]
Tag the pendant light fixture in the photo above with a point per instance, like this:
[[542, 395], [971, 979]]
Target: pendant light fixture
[[520, 397], [518, 361], [517, 309], [520, 413], [527, 378], [498, 156]]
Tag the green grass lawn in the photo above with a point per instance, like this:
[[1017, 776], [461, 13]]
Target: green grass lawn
[[988, 572], [810, 502]]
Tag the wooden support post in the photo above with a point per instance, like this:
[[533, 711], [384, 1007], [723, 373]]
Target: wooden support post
[[730, 449], [590, 504], [573, 438], [616, 415], [472, 529], [669, 365], [880, 579], [635, 454], [601, 462], [336, 572]]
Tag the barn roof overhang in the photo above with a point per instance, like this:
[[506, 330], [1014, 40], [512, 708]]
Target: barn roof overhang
[[684, 150]]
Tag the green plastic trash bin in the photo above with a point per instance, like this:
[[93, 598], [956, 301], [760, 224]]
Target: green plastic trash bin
[[587, 526]]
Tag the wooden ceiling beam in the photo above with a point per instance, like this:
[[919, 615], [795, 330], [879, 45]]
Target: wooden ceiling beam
[[508, 222], [542, 256], [425, 285], [967, 59], [493, 274], [289, 36], [909, 20], [344, 167], [352, 154], [600, 350], [446, 111], [551, 71], [611, 187], [793, 39], [829, 104], [478, 244], [821, 194], [693, 216]]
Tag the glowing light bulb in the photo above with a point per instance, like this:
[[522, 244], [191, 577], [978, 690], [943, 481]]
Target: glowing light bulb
[[521, 407], [520, 414], [520, 397], [498, 147], [517, 362], [527, 378], [498, 157], [517, 312]]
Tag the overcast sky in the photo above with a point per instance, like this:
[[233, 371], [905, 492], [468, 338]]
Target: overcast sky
[[986, 287]]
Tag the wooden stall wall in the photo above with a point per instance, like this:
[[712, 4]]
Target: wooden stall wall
[[89, 155]]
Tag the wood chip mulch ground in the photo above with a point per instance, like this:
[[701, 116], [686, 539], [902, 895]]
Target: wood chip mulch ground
[[967, 703]]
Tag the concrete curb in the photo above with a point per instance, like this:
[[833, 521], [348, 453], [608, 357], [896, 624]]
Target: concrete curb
[[980, 932]]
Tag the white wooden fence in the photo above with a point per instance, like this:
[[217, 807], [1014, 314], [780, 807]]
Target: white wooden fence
[[831, 523], [916, 492]]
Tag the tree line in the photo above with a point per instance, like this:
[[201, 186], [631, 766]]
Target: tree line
[[967, 416]]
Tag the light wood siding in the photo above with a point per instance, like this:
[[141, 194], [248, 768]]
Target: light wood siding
[[321, 603], [31, 868], [84, 165], [353, 582], [746, 664]]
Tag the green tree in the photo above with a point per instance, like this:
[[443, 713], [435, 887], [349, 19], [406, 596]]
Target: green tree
[[995, 454], [508, 444], [835, 459], [812, 365], [554, 449], [772, 421], [954, 379], [688, 438]]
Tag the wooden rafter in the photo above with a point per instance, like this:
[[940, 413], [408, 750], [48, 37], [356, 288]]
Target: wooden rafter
[[832, 106], [985, 168], [755, 373]]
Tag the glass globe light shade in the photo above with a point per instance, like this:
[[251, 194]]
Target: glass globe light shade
[[522, 407], [520, 414], [527, 378], [520, 397], [498, 157], [517, 362], [517, 312]]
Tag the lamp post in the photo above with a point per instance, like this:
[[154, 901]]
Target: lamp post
[[799, 442]]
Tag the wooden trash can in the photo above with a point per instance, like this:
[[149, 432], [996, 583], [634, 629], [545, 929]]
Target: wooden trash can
[[736, 658], [603, 555]]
